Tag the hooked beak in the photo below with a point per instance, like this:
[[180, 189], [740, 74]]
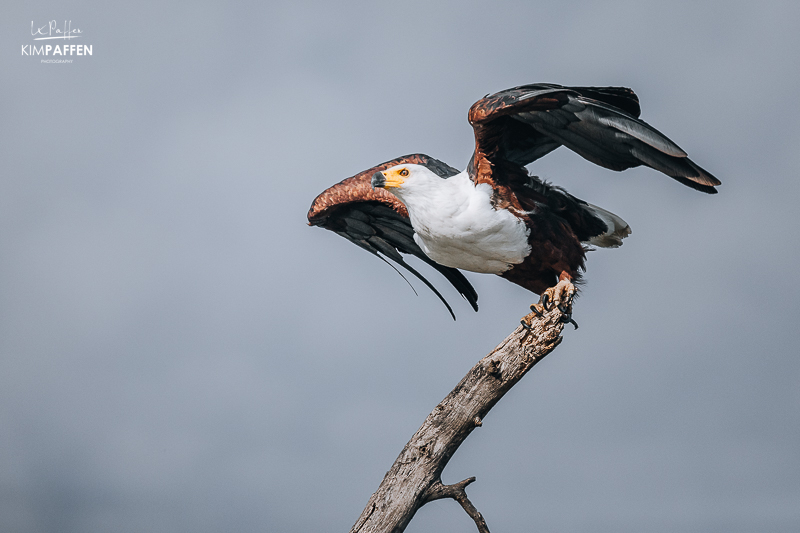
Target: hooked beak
[[378, 180], [389, 179]]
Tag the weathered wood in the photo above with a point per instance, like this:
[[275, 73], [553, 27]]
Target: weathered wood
[[415, 477]]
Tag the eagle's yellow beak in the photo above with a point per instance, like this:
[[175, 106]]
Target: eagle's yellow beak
[[389, 179]]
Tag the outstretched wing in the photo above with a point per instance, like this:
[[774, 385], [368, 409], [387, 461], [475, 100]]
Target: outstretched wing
[[377, 221], [517, 126]]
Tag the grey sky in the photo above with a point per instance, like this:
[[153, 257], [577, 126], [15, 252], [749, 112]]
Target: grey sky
[[180, 352]]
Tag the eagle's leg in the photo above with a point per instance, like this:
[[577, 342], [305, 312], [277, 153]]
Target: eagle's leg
[[561, 295], [563, 291]]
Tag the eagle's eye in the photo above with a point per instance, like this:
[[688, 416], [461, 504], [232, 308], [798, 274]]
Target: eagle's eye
[[404, 172]]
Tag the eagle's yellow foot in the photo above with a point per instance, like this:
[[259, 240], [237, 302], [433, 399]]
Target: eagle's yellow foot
[[562, 294], [561, 297]]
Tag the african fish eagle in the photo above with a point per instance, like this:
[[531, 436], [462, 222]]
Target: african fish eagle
[[494, 217]]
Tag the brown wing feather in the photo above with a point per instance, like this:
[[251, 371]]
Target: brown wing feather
[[377, 221], [519, 125], [357, 189]]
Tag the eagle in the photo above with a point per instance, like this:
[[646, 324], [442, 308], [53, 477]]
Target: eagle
[[494, 217]]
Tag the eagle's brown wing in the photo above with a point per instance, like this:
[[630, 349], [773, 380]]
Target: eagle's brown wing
[[517, 126], [377, 221]]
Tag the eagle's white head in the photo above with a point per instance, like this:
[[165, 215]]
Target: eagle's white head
[[408, 182]]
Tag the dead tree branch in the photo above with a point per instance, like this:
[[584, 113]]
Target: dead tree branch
[[415, 477]]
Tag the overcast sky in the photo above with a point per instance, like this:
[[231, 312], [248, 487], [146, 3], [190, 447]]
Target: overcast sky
[[180, 352]]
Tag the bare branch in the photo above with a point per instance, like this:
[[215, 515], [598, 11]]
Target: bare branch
[[415, 476], [456, 491], [437, 490]]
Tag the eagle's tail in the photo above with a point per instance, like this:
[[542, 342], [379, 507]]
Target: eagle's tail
[[618, 229]]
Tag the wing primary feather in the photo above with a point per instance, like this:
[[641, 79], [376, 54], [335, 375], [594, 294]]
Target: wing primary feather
[[574, 106], [383, 211], [584, 147], [379, 256], [394, 225], [460, 282], [706, 176], [663, 163], [430, 286], [454, 276], [644, 132], [385, 248], [547, 90], [357, 226], [601, 124], [366, 245], [619, 97], [359, 215], [400, 239], [551, 119]]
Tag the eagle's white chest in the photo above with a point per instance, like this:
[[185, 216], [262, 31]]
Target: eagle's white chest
[[456, 226]]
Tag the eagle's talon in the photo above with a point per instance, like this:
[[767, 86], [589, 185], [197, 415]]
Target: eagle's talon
[[526, 326], [535, 311], [543, 301], [571, 321]]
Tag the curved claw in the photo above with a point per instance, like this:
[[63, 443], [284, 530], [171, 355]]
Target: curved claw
[[526, 326], [567, 317], [535, 311], [543, 301]]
